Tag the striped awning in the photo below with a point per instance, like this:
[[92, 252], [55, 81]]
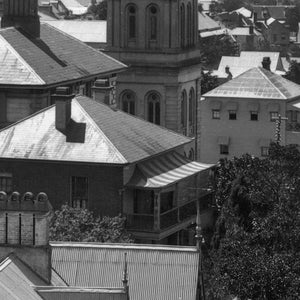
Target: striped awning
[[165, 170]]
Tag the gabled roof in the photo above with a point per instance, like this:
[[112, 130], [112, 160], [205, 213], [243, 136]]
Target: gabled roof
[[257, 83], [83, 30], [51, 60], [74, 6], [154, 271], [97, 134], [248, 60]]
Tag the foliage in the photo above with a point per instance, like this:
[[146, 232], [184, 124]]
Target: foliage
[[208, 82], [256, 247], [213, 48], [293, 73], [80, 225], [102, 10]]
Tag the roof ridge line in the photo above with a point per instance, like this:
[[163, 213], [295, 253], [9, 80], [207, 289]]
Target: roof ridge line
[[98, 129], [21, 59], [261, 71]]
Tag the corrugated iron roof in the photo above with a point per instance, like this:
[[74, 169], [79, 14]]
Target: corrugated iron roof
[[154, 272], [99, 135], [56, 57], [74, 6], [257, 83], [165, 170], [83, 30]]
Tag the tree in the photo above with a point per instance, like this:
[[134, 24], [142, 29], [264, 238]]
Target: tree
[[208, 82], [256, 247], [80, 225], [102, 10], [213, 48], [293, 73]]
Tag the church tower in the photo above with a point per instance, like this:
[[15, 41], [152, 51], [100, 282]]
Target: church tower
[[158, 40]]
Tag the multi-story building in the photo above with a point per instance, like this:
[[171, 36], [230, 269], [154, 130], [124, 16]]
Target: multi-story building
[[238, 116], [36, 58], [89, 155], [158, 40]]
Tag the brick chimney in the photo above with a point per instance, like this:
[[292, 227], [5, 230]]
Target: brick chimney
[[266, 63], [24, 230], [63, 102], [102, 91], [227, 71], [22, 14]]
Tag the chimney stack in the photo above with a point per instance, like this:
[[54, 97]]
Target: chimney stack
[[24, 230], [251, 29], [102, 92], [22, 15], [63, 102], [266, 63], [227, 71]]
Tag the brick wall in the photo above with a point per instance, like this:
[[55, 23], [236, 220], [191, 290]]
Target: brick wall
[[54, 179]]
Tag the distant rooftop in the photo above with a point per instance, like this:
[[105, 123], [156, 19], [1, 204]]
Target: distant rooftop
[[205, 23], [275, 11], [257, 83], [248, 60]]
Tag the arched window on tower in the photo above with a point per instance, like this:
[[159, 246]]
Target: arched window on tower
[[154, 108], [192, 112], [153, 22], [128, 102], [182, 25], [131, 22], [189, 24], [184, 112]]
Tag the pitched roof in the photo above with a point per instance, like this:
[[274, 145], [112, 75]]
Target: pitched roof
[[17, 280], [205, 23], [96, 134], [83, 30], [74, 6], [154, 272], [257, 83], [53, 59], [248, 60]]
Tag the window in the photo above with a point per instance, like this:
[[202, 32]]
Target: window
[[232, 114], [254, 116], [153, 22], [128, 103], [143, 202], [191, 154], [264, 151], [192, 111], [131, 22], [283, 36], [6, 183], [216, 114], [154, 108], [79, 190], [183, 120], [166, 201], [273, 116], [182, 24], [224, 149], [274, 37]]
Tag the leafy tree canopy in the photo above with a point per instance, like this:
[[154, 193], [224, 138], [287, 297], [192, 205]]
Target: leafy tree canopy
[[293, 73], [80, 225], [256, 246], [208, 82]]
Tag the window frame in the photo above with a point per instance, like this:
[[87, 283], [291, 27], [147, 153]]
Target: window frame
[[132, 35], [224, 149], [253, 113], [6, 177], [83, 201], [214, 117], [232, 113], [262, 151], [271, 115], [130, 107], [156, 109]]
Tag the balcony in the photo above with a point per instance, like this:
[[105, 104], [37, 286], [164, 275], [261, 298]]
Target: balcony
[[293, 126], [168, 219]]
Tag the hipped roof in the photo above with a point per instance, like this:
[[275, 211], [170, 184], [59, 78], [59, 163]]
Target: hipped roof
[[96, 134]]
